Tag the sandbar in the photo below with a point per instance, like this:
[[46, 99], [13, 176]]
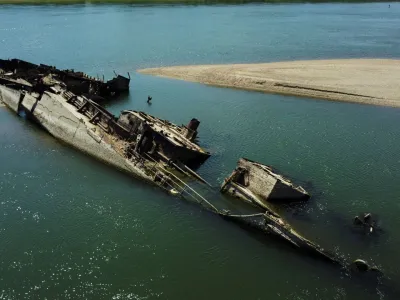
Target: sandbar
[[367, 81]]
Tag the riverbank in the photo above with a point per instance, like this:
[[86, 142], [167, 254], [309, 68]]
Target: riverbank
[[367, 81], [193, 2]]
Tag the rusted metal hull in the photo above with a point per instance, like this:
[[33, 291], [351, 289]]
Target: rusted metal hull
[[164, 137], [259, 184], [77, 82]]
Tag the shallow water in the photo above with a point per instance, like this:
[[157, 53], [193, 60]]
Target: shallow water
[[73, 228]]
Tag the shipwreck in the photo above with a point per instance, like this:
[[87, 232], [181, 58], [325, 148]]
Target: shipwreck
[[75, 81], [139, 144], [149, 148], [163, 138], [259, 184]]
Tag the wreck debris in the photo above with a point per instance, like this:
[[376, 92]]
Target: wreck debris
[[149, 148], [362, 266], [119, 83], [145, 147], [162, 137], [366, 222], [271, 223], [78, 83], [190, 131], [259, 184]]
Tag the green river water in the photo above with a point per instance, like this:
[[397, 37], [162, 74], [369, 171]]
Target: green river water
[[72, 228]]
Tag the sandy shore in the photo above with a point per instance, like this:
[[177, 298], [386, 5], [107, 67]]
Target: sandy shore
[[369, 81]]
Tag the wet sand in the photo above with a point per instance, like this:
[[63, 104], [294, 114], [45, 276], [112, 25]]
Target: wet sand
[[368, 81]]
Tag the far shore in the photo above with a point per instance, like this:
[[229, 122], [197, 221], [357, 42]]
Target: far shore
[[182, 2], [367, 81]]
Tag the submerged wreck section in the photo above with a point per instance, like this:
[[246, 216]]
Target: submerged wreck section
[[272, 224], [75, 81], [259, 184], [84, 124], [162, 138]]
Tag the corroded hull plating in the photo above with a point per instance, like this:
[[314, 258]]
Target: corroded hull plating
[[259, 184], [62, 121]]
